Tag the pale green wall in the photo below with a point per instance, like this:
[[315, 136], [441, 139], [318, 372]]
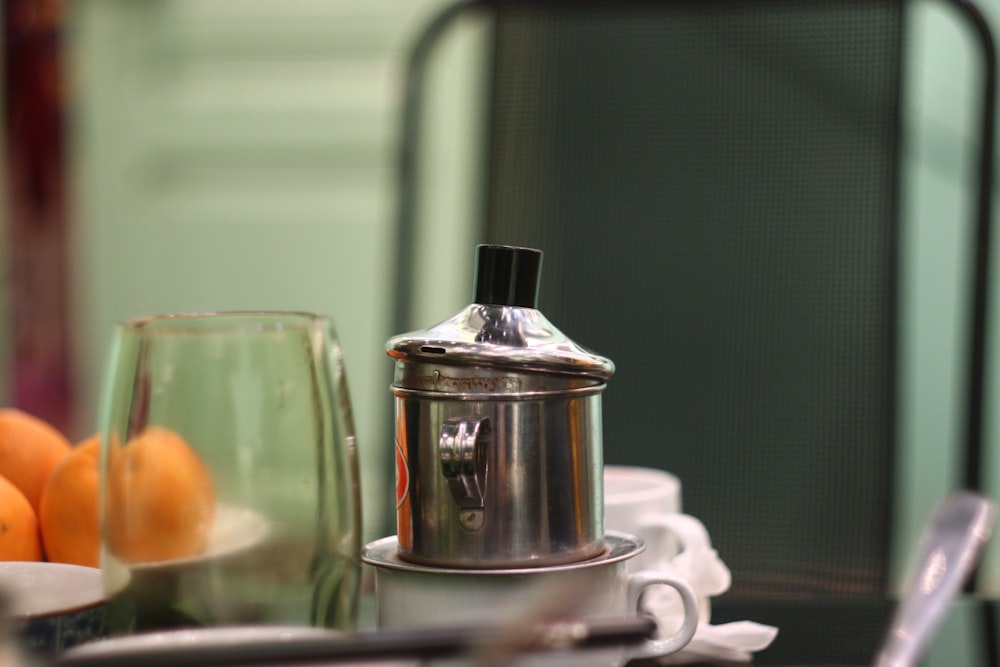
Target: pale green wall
[[238, 154], [934, 250], [936, 203]]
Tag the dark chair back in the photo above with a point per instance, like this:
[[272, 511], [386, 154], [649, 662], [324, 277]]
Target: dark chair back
[[716, 187]]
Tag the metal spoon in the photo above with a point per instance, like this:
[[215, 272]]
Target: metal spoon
[[950, 549]]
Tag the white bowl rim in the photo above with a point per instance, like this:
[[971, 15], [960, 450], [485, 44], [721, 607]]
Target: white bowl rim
[[92, 593]]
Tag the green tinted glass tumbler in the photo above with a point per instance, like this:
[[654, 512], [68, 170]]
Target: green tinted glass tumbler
[[229, 473]]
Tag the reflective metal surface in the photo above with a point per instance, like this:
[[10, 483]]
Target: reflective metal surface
[[949, 551], [489, 349], [617, 547], [498, 431], [500, 483]]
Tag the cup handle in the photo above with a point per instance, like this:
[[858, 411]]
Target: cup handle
[[652, 648], [689, 531], [710, 574]]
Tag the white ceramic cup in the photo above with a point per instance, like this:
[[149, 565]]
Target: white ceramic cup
[[414, 596], [647, 502]]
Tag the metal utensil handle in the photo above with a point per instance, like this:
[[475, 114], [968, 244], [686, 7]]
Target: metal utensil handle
[[949, 551], [371, 646]]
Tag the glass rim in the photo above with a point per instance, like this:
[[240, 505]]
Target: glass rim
[[257, 321]]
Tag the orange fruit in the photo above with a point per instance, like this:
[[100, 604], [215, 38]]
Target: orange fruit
[[29, 450], [68, 512], [161, 501], [18, 525]]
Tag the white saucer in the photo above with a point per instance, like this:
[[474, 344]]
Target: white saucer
[[234, 529]]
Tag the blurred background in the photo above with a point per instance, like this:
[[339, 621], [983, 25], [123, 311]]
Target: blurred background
[[186, 155]]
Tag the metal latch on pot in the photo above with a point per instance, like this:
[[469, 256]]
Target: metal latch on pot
[[462, 449]]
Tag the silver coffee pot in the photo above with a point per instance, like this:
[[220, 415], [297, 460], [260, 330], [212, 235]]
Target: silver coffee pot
[[498, 430]]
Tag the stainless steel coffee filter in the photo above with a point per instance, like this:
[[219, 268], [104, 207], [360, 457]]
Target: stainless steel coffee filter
[[498, 430]]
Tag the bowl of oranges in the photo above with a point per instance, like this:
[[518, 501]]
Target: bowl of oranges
[[50, 523], [49, 536], [48, 493]]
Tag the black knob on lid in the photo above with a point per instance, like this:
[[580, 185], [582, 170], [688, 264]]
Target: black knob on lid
[[507, 276]]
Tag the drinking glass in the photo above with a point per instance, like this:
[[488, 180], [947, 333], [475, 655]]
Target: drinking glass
[[229, 472]]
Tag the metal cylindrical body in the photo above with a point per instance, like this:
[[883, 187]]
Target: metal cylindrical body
[[500, 481]]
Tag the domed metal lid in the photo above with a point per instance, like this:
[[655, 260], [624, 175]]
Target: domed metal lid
[[502, 329]]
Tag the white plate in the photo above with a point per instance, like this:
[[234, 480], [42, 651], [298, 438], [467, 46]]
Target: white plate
[[154, 642], [234, 529]]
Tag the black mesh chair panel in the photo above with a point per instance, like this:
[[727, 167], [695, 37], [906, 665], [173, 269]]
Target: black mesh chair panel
[[715, 186]]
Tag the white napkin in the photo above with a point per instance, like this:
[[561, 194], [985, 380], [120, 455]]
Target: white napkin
[[732, 642], [699, 564]]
